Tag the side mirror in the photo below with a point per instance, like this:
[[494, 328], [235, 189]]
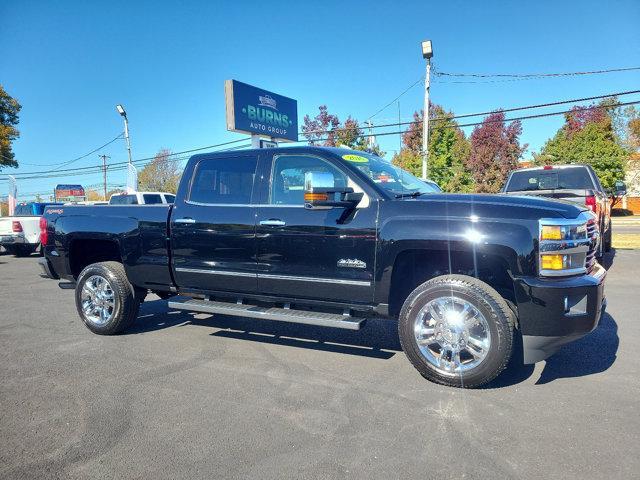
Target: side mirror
[[620, 188], [320, 192]]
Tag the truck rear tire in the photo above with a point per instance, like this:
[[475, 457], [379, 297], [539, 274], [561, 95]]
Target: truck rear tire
[[107, 303], [456, 330], [607, 239]]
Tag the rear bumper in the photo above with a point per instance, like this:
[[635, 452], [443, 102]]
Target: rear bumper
[[554, 312], [15, 239], [47, 270]]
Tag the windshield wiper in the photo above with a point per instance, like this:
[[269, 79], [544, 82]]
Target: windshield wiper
[[410, 195]]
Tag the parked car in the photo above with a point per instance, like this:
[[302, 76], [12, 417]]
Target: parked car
[[142, 198], [574, 183], [20, 233], [330, 237]]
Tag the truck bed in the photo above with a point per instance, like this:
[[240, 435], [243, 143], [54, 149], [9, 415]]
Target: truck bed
[[138, 232]]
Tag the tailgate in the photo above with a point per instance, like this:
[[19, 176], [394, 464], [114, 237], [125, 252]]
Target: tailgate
[[6, 225], [574, 196]]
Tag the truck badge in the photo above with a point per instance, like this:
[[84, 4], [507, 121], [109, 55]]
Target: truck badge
[[351, 263]]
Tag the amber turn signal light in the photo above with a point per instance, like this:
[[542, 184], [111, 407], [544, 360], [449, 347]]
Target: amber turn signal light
[[552, 262]]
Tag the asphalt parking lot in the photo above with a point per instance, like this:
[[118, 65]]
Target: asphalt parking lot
[[202, 397]]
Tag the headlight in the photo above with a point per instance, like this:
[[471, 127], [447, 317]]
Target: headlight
[[563, 247], [563, 232]]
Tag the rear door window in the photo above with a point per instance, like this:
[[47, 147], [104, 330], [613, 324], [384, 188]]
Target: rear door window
[[23, 210], [555, 179], [152, 198], [124, 200], [226, 181], [170, 198]]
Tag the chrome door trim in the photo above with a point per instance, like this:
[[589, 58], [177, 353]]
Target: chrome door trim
[[341, 281]]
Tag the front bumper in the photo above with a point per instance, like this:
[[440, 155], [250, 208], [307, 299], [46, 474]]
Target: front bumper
[[17, 239], [554, 312]]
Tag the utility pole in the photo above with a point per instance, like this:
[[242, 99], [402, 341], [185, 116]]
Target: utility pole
[[104, 173], [427, 53]]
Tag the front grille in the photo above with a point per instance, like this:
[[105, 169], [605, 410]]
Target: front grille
[[592, 233]]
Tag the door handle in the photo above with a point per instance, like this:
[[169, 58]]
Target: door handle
[[185, 220], [272, 222]]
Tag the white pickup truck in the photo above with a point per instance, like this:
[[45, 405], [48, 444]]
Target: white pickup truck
[[20, 233]]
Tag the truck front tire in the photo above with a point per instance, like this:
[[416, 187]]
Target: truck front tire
[[457, 331], [107, 303]]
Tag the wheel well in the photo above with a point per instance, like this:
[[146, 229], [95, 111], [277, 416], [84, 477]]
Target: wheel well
[[414, 267], [86, 252]]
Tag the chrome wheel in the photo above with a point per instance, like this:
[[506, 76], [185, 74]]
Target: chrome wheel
[[452, 335], [97, 300]]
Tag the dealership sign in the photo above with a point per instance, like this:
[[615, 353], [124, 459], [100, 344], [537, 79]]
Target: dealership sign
[[256, 111]]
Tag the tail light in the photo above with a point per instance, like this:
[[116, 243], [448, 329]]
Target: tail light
[[590, 202], [16, 227], [44, 235]]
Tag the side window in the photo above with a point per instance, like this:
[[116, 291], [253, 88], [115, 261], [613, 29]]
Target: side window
[[287, 177], [152, 198], [223, 180], [170, 198], [22, 211]]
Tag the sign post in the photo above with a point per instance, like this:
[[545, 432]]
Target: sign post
[[260, 113]]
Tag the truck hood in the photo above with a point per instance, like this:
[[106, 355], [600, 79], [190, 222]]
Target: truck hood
[[500, 205]]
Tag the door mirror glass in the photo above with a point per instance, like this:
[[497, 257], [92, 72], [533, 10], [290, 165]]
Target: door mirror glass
[[318, 180], [620, 188]]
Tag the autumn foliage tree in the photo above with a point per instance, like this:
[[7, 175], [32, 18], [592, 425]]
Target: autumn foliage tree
[[162, 174], [588, 136], [9, 109], [325, 129], [448, 151], [495, 151]]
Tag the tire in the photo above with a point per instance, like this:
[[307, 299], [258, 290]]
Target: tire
[[608, 239], [491, 325], [116, 304]]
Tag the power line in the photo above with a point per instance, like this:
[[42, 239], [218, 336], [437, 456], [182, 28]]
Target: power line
[[478, 114], [526, 117], [118, 166], [94, 167], [533, 75], [397, 98], [68, 162]]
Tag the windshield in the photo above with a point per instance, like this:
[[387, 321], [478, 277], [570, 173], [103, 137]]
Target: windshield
[[575, 178], [393, 179]]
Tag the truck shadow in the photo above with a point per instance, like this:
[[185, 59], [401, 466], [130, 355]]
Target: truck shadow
[[378, 339], [592, 354], [607, 260]]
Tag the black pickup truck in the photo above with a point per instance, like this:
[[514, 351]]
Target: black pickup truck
[[331, 237]]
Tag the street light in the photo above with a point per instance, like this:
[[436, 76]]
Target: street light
[[123, 113], [427, 53], [427, 50]]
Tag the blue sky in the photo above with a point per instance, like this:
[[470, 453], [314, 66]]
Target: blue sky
[[69, 63]]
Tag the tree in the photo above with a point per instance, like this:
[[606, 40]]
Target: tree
[[9, 109], [448, 151], [588, 138], [495, 150], [94, 196], [327, 130], [162, 174], [320, 129]]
